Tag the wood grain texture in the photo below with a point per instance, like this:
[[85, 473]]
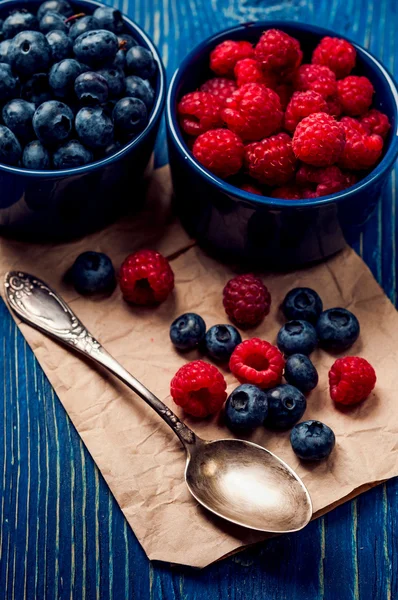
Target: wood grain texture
[[63, 535]]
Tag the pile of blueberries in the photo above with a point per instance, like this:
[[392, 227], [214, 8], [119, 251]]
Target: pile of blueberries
[[73, 87]]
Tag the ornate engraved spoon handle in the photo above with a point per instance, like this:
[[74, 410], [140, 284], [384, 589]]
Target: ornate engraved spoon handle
[[37, 304]]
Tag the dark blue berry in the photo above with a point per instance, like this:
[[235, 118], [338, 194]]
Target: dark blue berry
[[109, 105], [8, 83], [297, 337], [126, 42], [53, 122], [302, 303], [300, 372], [60, 44], [337, 329], [112, 148], [140, 62], [286, 405], [53, 21], [36, 156], [109, 18], [115, 80], [96, 47], [140, 88], [80, 26], [62, 76], [60, 6], [4, 48], [119, 61], [130, 117], [17, 116], [17, 21], [72, 154], [187, 331], [94, 127], [221, 341], [93, 272], [10, 148], [29, 53], [312, 440], [246, 408], [37, 89], [91, 88]]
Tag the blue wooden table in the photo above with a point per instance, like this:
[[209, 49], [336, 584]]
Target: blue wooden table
[[63, 535]]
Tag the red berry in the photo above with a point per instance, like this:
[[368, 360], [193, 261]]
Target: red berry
[[253, 112], [199, 388], [301, 105], [278, 52], [334, 106], [355, 94], [146, 278], [317, 78], [225, 56], [287, 192], [328, 180], [246, 300], [258, 362], [199, 112], [376, 122], [308, 192], [219, 150], [271, 161], [319, 140], [251, 188], [337, 54], [285, 92], [361, 151], [351, 380], [221, 87], [249, 70]]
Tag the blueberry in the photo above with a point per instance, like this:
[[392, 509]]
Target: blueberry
[[62, 76], [302, 303], [140, 62], [53, 21], [96, 47], [126, 42], [37, 89], [36, 156], [4, 48], [91, 88], [10, 148], [53, 122], [130, 117], [312, 440], [94, 127], [60, 6], [72, 154], [187, 331], [246, 408], [80, 26], [112, 148], [300, 372], [140, 88], [109, 18], [221, 341], [60, 44], [93, 272], [17, 116], [119, 61], [29, 53], [297, 337], [337, 329], [286, 405], [115, 80], [8, 83], [109, 105], [17, 21]]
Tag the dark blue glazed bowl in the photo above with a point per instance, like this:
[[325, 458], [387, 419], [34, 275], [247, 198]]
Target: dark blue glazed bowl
[[72, 202], [285, 233]]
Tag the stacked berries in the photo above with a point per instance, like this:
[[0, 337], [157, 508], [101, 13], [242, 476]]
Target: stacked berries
[[281, 128]]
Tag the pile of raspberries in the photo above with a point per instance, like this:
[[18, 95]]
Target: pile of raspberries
[[285, 129]]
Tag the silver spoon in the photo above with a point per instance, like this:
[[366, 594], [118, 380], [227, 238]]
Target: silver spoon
[[235, 479]]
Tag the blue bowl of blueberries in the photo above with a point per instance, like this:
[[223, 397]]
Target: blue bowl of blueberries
[[82, 90]]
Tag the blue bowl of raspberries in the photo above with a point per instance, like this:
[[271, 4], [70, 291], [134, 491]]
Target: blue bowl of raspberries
[[282, 136], [82, 90]]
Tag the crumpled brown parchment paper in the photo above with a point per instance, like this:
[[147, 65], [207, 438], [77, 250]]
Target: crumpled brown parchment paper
[[140, 458]]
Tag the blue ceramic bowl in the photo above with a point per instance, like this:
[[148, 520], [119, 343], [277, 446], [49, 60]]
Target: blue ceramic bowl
[[285, 233], [72, 202]]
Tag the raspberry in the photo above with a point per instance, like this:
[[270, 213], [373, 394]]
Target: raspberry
[[376, 122], [278, 52], [251, 188], [355, 94], [308, 192], [329, 180], [249, 70], [146, 277], [317, 78], [225, 56], [253, 112], [284, 91], [199, 112], [318, 140], [258, 362], [199, 388], [221, 87], [287, 192], [351, 380], [219, 150], [334, 106], [246, 300], [337, 54], [271, 161], [301, 105], [361, 151]]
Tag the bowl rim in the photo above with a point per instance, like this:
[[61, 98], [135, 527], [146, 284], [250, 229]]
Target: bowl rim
[[156, 112], [174, 129]]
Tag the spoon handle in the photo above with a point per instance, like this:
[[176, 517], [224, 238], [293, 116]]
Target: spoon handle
[[37, 304]]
